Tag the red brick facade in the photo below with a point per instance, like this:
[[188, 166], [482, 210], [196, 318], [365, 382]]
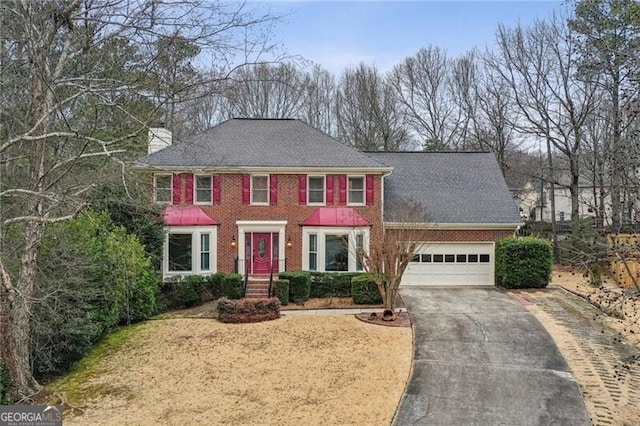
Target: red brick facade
[[288, 208], [462, 235]]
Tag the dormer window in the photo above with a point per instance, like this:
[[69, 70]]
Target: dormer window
[[163, 188]]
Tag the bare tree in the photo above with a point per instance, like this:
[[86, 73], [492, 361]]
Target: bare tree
[[608, 33], [388, 258], [266, 91], [539, 64], [319, 109], [367, 112], [71, 69], [423, 86]]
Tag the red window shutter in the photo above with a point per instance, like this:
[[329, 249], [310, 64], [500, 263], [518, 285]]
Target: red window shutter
[[246, 189], [176, 189], [369, 184], [188, 188], [216, 190], [329, 184], [342, 183], [302, 189], [273, 189]]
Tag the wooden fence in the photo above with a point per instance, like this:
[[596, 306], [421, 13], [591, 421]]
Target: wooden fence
[[625, 263]]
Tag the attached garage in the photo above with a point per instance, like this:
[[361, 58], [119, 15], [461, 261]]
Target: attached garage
[[451, 264]]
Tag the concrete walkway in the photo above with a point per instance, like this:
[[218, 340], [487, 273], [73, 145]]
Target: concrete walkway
[[480, 358], [356, 311]]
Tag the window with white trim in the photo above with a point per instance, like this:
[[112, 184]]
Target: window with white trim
[[202, 189], [333, 249], [315, 190], [260, 189], [189, 250], [356, 190], [313, 252], [163, 188]]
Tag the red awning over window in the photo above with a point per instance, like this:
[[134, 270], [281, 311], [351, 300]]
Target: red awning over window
[[186, 216], [335, 217]]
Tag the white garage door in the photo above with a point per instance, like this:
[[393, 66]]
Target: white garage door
[[451, 264]]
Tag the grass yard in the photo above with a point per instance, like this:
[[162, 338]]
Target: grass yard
[[294, 370]]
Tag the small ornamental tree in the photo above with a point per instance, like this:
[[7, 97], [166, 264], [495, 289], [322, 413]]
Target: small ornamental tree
[[388, 258]]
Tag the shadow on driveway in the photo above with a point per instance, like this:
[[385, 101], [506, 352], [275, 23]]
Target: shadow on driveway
[[480, 358]]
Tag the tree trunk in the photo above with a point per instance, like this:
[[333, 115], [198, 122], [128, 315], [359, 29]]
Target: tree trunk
[[552, 201], [615, 153]]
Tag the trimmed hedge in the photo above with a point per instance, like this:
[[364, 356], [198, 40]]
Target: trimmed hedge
[[523, 262], [232, 286], [282, 291], [214, 284], [365, 291], [189, 290], [5, 382], [299, 285], [248, 310], [332, 284]]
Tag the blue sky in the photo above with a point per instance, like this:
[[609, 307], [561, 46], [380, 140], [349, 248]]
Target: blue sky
[[337, 34]]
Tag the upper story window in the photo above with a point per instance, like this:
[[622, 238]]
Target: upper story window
[[259, 189], [356, 190], [163, 188], [203, 189], [316, 190]]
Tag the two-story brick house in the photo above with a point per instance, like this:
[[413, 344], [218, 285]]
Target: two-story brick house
[[267, 195]]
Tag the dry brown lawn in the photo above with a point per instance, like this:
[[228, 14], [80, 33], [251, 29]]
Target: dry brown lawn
[[291, 371]]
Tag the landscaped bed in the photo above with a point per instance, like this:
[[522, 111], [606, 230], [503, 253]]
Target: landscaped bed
[[294, 370]]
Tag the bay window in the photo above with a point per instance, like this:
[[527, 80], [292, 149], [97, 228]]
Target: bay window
[[333, 248], [189, 250]]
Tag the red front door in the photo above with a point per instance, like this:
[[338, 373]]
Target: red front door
[[261, 256]]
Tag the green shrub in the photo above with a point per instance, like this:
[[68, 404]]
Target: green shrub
[[248, 310], [5, 382], [214, 284], [332, 284], [101, 277], [321, 284], [190, 290], [232, 286], [364, 290], [299, 285], [523, 262], [282, 291]]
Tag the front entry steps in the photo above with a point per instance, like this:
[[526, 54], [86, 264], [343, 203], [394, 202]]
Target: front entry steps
[[258, 287]]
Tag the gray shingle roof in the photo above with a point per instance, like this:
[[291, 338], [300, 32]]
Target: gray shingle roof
[[452, 187], [261, 143]]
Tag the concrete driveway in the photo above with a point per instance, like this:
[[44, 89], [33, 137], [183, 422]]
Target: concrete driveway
[[480, 358]]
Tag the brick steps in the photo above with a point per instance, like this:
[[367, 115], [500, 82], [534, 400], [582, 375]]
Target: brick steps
[[257, 288]]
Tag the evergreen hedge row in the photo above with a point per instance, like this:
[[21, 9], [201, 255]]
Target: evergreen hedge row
[[523, 262], [299, 285], [364, 291]]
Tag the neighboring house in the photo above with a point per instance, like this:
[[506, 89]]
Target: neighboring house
[[260, 196], [534, 201]]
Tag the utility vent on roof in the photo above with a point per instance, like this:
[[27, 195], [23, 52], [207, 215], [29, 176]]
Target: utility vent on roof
[[159, 138]]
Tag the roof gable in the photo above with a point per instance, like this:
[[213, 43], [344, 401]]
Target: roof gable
[[451, 187], [261, 143]]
